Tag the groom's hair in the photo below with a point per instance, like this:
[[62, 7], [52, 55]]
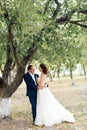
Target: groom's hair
[[29, 67]]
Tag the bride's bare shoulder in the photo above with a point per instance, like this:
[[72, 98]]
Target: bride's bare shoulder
[[43, 76]]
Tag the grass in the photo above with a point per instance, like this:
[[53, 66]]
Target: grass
[[74, 98]]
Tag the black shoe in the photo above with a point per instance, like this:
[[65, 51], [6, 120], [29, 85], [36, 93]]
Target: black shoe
[[33, 123]]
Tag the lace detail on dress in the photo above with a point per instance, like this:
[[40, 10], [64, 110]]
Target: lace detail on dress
[[42, 80]]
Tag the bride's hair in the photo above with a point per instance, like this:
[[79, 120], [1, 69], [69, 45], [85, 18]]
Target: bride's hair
[[44, 68]]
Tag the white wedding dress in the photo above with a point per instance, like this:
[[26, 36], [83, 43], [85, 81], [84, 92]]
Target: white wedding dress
[[49, 110]]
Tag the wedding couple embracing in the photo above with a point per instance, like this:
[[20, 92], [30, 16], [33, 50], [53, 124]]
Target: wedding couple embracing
[[46, 109]]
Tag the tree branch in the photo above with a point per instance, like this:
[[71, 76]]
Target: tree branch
[[82, 11], [10, 33], [82, 25], [65, 18], [57, 9], [47, 4], [11, 40], [30, 53], [83, 20], [33, 47]]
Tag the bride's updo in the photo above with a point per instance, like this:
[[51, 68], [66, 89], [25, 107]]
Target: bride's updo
[[44, 68]]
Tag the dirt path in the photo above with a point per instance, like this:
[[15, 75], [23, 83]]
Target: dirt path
[[74, 98]]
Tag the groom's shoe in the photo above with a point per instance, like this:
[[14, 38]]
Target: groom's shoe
[[33, 123]]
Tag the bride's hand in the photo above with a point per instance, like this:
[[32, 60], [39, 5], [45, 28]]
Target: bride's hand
[[40, 87]]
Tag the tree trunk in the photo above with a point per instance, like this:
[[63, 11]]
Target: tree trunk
[[58, 72], [50, 75], [54, 72], [6, 90], [84, 71], [64, 73], [5, 104], [71, 75]]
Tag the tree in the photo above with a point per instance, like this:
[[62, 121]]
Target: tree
[[16, 34], [83, 54], [24, 26]]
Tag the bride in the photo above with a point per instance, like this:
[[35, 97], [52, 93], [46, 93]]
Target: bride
[[49, 110]]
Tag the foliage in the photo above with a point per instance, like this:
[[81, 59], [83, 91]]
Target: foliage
[[44, 31]]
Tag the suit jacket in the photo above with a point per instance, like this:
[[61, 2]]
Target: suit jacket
[[31, 87]]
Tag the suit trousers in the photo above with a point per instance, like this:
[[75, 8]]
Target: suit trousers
[[33, 101]]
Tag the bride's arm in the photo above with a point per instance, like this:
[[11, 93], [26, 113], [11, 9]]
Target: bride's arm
[[38, 80], [41, 82]]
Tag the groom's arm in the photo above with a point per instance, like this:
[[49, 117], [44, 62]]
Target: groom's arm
[[37, 76], [29, 84]]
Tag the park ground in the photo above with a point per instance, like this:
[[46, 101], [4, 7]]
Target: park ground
[[74, 98]]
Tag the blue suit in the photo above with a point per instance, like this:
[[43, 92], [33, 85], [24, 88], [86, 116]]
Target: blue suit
[[31, 91]]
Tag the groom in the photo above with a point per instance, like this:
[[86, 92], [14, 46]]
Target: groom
[[30, 80]]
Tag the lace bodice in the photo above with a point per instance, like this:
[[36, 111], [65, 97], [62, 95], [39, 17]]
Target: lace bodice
[[42, 79]]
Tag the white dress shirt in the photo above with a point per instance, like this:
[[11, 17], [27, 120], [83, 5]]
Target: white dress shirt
[[32, 75]]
